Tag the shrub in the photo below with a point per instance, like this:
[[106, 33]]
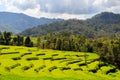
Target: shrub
[[16, 58], [52, 68], [47, 58], [65, 68], [58, 59], [39, 68], [27, 67], [25, 54], [9, 53], [32, 58], [82, 64], [12, 67], [5, 47], [40, 54], [112, 71], [76, 69], [55, 54], [72, 62]]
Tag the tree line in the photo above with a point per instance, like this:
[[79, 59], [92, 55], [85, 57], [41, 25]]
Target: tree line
[[107, 48], [6, 38]]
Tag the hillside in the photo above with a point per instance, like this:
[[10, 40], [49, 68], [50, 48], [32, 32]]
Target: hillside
[[103, 24], [22, 63], [17, 22]]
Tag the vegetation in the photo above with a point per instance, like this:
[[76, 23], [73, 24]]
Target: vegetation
[[52, 65], [105, 24], [77, 42], [107, 49], [6, 38]]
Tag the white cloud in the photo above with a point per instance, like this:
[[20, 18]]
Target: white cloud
[[61, 8], [25, 4], [67, 6]]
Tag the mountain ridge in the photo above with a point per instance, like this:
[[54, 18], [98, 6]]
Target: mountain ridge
[[17, 22], [103, 24]]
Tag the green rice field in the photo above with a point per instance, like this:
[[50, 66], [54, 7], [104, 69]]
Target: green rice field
[[22, 63]]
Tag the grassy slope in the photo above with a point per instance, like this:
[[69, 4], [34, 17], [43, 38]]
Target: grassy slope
[[18, 73]]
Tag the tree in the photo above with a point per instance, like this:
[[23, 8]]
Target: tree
[[28, 42], [58, 44], [1, 38], [85, 56], [99, 45], [14, 41], [7, 37], [43, 45], [20, 40], [38, 42]]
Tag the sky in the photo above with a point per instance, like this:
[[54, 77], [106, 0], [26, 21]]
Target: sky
[[66, 9]]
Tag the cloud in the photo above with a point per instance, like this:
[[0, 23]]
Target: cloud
[[66, 9], [67, 6], [107, 5], [112, 3], [25, 4]]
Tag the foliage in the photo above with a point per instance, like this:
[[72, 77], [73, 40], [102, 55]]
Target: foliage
[[28, 42], [52, 65], [105, 24], [6, 38], [107, 49]]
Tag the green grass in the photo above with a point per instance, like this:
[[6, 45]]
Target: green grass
[[58, 65]]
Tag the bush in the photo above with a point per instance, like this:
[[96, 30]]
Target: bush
[[25, 54], [27, 67], [16, 58], [40, 54], [9, 53], [38, 69], [112, 71], [58, 59], [14, 66], [32, 58], [65, 68], [76, 69], [55, 54], [47, 58], [52, 68], [72, 62]]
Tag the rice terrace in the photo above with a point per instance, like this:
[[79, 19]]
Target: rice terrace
[[22, 63], [59, 39]]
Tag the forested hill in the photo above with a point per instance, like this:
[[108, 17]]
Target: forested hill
[[103, 24], [17, 22]]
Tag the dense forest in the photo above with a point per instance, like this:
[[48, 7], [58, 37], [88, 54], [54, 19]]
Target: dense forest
[[105, 24], [108, 49]]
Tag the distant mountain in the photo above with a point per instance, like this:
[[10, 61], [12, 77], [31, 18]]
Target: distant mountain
[[103, 24], [17, 22], [107, 17]]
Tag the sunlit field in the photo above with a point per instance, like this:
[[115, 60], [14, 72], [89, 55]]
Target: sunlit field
[[22, 63]]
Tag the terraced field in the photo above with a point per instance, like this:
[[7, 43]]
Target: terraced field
[[22, 63]]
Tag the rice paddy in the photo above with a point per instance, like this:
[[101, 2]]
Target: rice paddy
[[23, 63]]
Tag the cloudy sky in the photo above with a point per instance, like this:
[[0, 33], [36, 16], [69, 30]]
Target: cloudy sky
[[66, 9]]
